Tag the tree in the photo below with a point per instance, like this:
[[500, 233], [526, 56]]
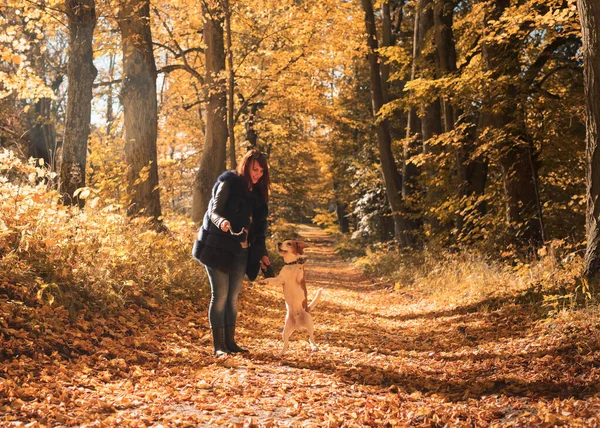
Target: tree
[[412, 144], [81, 74], [502, 119], [44, 116], [391, 177], [431, 124], [471, 171], [230, 86], [138, 95], [589, 14], [212, 162], [424, 61], [443, 12]]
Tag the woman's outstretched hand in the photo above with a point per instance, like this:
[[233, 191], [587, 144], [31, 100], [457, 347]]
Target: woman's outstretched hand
[[225, 226], [264, 262]]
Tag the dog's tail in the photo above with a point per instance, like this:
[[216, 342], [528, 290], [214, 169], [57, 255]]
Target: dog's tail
[[315, 300]]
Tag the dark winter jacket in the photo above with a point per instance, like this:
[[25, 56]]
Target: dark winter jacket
[[233, 201]]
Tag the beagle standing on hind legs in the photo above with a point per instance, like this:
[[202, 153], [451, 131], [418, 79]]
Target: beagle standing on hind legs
[[292, 278]]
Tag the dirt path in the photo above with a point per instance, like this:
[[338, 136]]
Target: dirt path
[[385, 359]]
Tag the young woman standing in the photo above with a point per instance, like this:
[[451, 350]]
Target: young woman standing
[[231, 242]]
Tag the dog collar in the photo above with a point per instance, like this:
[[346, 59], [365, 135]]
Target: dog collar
[[297, 262]]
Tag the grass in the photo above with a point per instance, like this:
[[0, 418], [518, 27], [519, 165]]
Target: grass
[[449, 279]]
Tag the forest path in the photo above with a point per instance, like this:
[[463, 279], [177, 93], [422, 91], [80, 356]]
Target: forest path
[[385, 358], [390, 358]]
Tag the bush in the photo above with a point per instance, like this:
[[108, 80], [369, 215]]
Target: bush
[[448, 278], [93, 258]]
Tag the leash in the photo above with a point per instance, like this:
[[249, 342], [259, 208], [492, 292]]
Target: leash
[[237, 233]]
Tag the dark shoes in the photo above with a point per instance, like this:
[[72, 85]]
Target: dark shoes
[[224, 341], [218, 334], [230, 340]]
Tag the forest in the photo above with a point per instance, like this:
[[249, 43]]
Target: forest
[[440, 158]]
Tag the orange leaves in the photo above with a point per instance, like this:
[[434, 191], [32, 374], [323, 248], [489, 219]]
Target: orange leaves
[[386, 358]]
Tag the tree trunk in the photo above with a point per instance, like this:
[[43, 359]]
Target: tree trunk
[[43, 114], [443, 15], [589, 14], [81, 74], [109, 95], [387, 39], [43, 142], [431, 124], [214, 153], [517, 157], [230, 89], [412, 147], [413, 126], [42, 119], [251, 135], [431, 121], [471, 173], [391, 177], [138, 94], [391, 11], [343, 223]]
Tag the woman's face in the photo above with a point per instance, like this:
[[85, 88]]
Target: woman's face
[[256, 171]]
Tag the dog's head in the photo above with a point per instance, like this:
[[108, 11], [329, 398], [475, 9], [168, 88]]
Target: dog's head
[[291, 250]]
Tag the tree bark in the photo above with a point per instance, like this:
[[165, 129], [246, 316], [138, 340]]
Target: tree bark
[[391, 11], [230, 88], [391, 177], [431, 121], [517, 156], [81, 74], [43, 114], [471, 173], [214, 153], [109, 96], [42, 119], [589, 15], [251, 135], [42, 138], [431, 124], [412, 147], [138, 95], [410, 171], [443, 15]]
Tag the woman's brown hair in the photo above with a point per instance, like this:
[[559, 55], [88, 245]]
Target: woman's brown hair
[[244, 166]]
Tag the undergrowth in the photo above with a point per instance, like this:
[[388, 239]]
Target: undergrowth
[[551, 282], [92, 259]]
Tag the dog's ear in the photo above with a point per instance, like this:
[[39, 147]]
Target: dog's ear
[[299, 247]]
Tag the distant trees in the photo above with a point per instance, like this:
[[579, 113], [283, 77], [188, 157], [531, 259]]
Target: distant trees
[[503, 118], [391, 177], [481, 107], [426, 121]]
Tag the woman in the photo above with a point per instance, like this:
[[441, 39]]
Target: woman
[[231, 242]]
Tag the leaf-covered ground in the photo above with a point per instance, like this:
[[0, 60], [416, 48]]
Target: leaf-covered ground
[[386, 358]]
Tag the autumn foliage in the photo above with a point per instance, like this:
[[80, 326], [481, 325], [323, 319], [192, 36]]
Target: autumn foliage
[[438, 145]]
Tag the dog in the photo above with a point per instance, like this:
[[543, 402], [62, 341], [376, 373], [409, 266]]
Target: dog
[[293, 279]]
